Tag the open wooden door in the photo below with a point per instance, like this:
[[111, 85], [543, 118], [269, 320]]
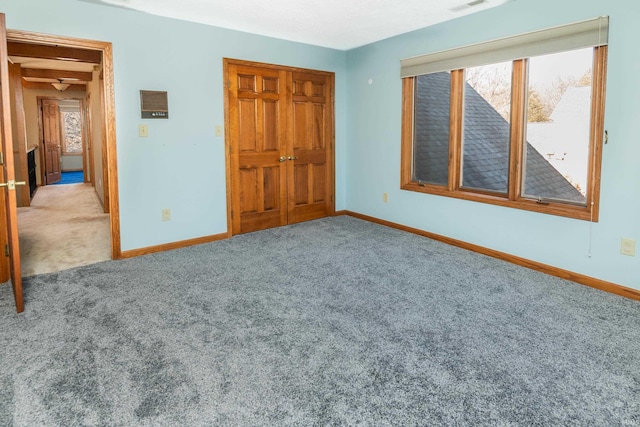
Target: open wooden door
[[8, 207], [51, 137]]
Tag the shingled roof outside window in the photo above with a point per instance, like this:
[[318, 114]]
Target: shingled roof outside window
[[484, 128]]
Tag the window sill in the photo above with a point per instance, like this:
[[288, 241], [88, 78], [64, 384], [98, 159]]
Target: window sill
[[550, 208]]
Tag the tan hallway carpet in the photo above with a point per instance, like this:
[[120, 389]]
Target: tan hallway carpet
[[64, 227]]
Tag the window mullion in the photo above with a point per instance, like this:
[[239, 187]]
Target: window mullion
[[406, 168], [455, 128], [517, 137], [597, 128]]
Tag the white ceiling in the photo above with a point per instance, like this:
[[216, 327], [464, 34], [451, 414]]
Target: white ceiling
[[338, 24]]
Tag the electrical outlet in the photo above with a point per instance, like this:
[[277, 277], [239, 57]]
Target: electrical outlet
[[166, 214], [385, 197], [628, 247]]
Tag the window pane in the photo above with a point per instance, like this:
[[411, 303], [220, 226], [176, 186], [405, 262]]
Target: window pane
[[72, 130], [558, 122], [487, 109], [431, 129]]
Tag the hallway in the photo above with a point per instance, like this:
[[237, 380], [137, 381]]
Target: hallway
[[64, 227]]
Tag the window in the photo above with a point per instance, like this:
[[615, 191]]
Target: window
[[430, 162], [557, 134], [485, 131], [71, 128], [516, 122]]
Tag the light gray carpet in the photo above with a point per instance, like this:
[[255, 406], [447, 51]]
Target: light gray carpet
[[331, 322]]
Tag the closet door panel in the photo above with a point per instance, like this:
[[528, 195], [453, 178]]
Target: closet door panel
[[257, 144], [311, 186]]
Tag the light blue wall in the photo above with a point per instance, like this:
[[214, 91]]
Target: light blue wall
[[181, 165], [373, 149]]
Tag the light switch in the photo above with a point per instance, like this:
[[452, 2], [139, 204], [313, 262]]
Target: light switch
[[218, 130], [143, 131]]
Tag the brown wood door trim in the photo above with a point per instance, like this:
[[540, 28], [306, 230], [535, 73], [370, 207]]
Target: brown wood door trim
[[287, 68], [19, 135], [231, 151], [84, 135], [41, 100], [110, 166]]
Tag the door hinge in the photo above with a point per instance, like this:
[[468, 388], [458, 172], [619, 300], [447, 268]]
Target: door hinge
[[227, 84], [6, 250], [1, 158], [231, 214]]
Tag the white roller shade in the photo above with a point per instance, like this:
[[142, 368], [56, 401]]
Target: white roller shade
[[590, 33]]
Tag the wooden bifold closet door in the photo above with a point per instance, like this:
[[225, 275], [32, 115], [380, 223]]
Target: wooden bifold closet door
[[279, 143]]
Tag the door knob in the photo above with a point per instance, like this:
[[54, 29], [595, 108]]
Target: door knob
[[11, 184], [293, 158], [282, 159]]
